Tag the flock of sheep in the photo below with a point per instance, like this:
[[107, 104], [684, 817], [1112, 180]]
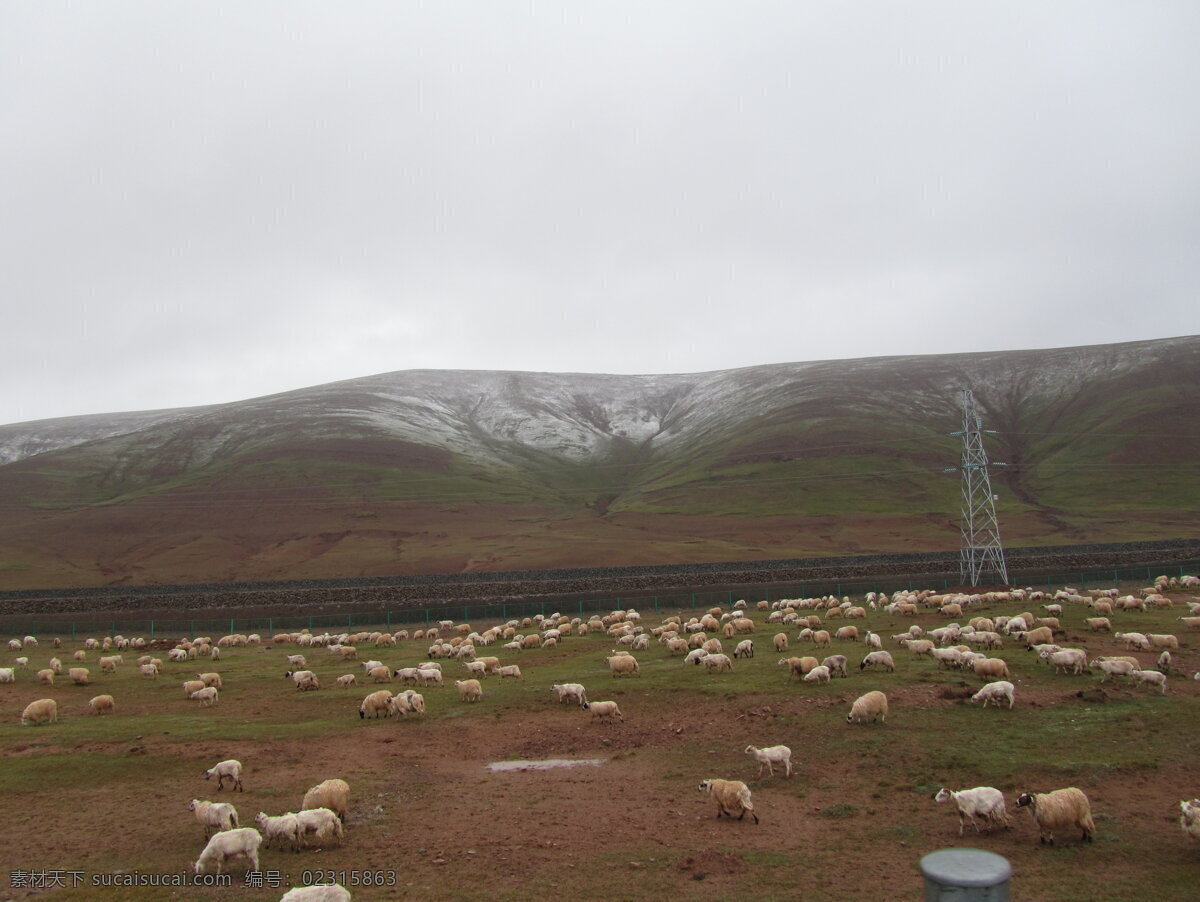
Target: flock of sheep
[[699, 641]]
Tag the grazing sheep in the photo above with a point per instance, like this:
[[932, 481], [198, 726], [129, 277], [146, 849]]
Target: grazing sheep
[[798, 667], [279, 831], [745, 648], [207, 697], [46, 676], [376, 704], [408, 702], [44, 710], [776, 754], [1192, 623], [1189, 818], [717, 663], [1099, 624], [570, 692], [1163, 640], [869, 707], [230, 769], [622, 665], [819, 674], [380, 674], [148, 670], [469, 690], [982, 801], [1112, 668], [1153, 677], [1133, 641], [240, 843], [995, 693], [847, 632], [990, 668], [878, 659], [821, 639], [837, 665], [332, 794], [781, 642], [733, 797], [103, 704], [319, 825], [1059, 809], [8, 675], [79, 676], [510, 670], [1039, 636], [1073, 659], [346, 680], [214, 816], [606, 710], [319, 892]]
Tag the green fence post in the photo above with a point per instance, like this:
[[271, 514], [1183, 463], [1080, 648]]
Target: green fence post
[[112, 630], [151, 629]]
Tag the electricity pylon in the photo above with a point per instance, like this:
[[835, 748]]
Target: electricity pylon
[[982, 551]]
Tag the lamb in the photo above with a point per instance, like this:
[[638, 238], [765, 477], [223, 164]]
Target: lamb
[[346, 680], [745, 648], [102, 704], [622, 665], [878, 659], [214, 816], [836, 664], [282, 831], [331, 794], [982, 801], [469, 690], [240, 843], [1153, 677], [320, 824], [230, 769], [319, 892], [510, 670], [733, 797], [994, 693], [46, 676], [572, 692], [869, 707], [207, 697], [819, 674], [1059, 809], [1189, 818], [8, 675], [79, 676], [606, 710], [776, 754], [375, 704], [44, 710]]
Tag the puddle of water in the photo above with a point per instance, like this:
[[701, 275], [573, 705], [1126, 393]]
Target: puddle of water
[[546, 764]]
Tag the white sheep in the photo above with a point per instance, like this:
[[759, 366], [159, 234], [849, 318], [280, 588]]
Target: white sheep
[[606, 710], [1189, 818], [717, 663], [510, 670], [408, 702], [994, 693], [319, 824], [320, 892], [878, 659], [623, 665], [1112, 668], [44, 710], [837, 665], [745, 649], [1059, 809], [103, 704], [982, 801], [1153, 677], [732, 796], [207, 697], [331, 794], [1073, 659], [346, 680], [570, 692], [776, 754], [469, 690], [8, 675], [230, 769], [869, 707], [819, 674], [240, 843], [214, 816], [283, 830]]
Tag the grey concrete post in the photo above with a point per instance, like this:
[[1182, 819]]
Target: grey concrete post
[[965, 875]]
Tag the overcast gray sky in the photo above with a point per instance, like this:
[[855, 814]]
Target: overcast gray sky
[[203, 201]]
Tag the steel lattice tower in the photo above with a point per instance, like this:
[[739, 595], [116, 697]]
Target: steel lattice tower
[[982, 551]]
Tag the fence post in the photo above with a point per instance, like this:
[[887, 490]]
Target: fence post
[[151, 629]]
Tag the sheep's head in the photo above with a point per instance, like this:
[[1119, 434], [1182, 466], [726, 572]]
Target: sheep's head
[[1024, 800]]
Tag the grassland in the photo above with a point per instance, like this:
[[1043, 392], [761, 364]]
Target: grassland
[[101, 795]]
